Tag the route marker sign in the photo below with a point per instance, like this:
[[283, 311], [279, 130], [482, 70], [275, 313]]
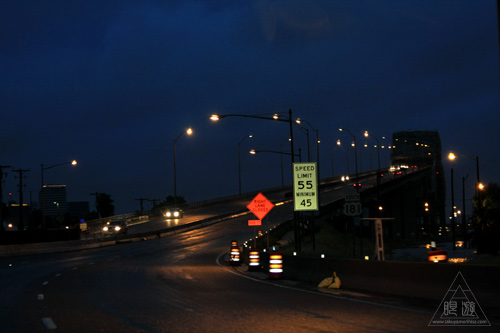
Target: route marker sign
[[305, 186], [260, 206], [352, 206]]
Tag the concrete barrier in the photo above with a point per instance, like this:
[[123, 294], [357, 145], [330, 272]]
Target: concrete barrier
[[89, 242], [428, 281]]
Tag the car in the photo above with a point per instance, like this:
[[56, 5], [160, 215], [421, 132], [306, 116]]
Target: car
[[174, 213], [115, 227]]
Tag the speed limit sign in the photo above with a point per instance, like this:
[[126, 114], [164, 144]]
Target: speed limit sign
[[353, 208], [305, 186]]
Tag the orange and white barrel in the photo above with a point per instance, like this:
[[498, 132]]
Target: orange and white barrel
[[254, 260], [275, 265]]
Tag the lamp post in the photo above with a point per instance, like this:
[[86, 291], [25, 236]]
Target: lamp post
[[306, 131], [42, 169], [189, 131], [1, 197], [339, 144], [239, 161], [274, 117], [281, 161], [355, 156], [478, 187], [254, 152], [379, 179], [464, 215], [452, 211], [299, 121], [452, 157], [378, 147]]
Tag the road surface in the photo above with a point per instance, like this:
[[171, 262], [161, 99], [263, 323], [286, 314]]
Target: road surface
[[181, 283]]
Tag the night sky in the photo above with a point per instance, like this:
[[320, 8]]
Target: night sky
[[112, 84]]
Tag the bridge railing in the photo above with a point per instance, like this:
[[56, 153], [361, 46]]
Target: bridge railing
[[130, 218]]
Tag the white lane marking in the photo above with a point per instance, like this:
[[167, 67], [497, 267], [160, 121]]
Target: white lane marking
[[49, 323], [74, 268], [58, 274], [40, 297], [45, 283]]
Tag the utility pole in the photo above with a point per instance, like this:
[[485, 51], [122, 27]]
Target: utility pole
[[142, 203], [21, 171], [1, 197]]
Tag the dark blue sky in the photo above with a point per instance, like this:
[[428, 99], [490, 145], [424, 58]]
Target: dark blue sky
[[113, 83]]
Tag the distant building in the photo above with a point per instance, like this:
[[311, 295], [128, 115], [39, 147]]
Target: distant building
[[411, 149], [53, 200]]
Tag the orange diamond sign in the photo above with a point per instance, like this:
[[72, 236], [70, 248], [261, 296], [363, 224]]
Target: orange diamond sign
[[260, 206]]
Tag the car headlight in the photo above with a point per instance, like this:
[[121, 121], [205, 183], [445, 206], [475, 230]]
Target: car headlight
[[117, 228], [105, 228], [168, 214], [176, 214]]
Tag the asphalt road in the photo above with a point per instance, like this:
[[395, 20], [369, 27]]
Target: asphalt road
[[181, 283]]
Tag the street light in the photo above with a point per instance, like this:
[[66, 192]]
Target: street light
[[339, 144], [254, 152], [274, 117], [239, 161], [355, 156], [378, 146], [452, 211], [42, 169], [479, 187], [306, 131], [299, 121], [378, 155], [189, 131], [1, 197]]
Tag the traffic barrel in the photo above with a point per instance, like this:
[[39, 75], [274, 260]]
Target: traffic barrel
[[437, 255], [275, 265], [254, 260], [235, 253]]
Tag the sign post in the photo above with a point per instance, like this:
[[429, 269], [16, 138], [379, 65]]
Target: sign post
[[259, 206], [305, 186], [379, 235]]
